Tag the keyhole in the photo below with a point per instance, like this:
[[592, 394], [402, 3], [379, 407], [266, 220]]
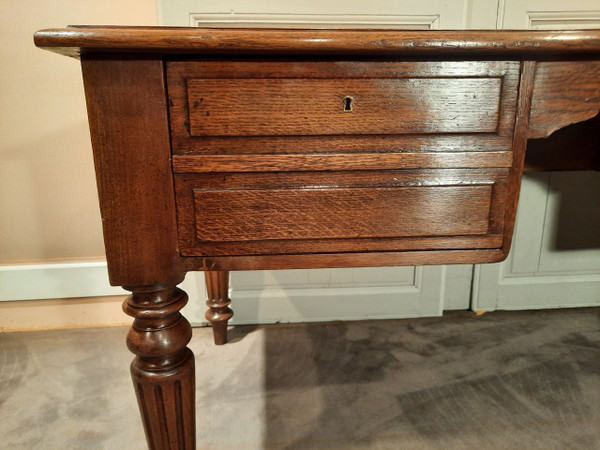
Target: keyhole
[[348, 104]]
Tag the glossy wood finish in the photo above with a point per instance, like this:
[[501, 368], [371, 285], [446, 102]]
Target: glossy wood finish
[[551, 109], [339, 213], [228, 102], [279, 107], [519, 146], [339, 162], [163, 370], [411, 257], [424, 107], [325, 204], [128, 121], [288, 149], [127, 112], [219, 313], [73, 41]]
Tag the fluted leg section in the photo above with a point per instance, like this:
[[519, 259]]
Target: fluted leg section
[[217, 286], [163, 369]]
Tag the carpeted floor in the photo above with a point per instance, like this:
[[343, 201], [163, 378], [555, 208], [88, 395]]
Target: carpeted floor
[[505, 380]]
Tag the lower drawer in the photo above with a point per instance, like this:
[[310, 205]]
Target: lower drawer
[[252, 214]]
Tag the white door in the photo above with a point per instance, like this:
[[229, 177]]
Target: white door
[[554, 260]]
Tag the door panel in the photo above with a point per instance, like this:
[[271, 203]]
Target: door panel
[[554, 260], [555, 257]]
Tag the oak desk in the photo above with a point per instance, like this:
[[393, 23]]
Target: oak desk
[[237, 149]]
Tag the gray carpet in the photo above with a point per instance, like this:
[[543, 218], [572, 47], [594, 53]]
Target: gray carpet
[[505, 380]]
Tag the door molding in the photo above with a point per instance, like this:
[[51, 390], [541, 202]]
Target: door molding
[[563, 20], [265, 20]]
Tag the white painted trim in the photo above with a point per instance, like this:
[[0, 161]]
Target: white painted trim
[[492, 290], [64, 280], [500, 14], [553, 20], [536, 279], [233, 19], [316, 305]]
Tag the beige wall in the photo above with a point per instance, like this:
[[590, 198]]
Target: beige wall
[[48, 200]]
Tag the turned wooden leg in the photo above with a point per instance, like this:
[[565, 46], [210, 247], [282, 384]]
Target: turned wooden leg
[[163, 369], [217, 286]]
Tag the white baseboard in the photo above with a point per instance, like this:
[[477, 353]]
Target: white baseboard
[[46, 281], [62, 313], [21, 285]]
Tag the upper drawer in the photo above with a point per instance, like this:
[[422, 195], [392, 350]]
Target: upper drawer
[[293, 106], [260, 107]]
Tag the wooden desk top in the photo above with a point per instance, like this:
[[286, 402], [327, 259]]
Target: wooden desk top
[[75, 40]]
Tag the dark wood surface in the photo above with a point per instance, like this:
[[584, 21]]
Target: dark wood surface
[[352, 138], [519, 146], [239, 149], [130, 136], [127, 113], [341, 212], [339, 161], [163, 369], [219, 313], [352, 201], [81, 39], [375, 258], [551, 109], [302, 107]]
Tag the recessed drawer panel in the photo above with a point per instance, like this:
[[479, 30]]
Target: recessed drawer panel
[[328, 212], [334, 213], [280, 106], [322, 107]]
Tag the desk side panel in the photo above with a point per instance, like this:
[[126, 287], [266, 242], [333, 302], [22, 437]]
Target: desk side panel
[[564, 93], [128, 119]]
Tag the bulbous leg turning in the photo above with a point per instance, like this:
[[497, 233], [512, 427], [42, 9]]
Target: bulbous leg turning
[[219, 313], [163, 369]]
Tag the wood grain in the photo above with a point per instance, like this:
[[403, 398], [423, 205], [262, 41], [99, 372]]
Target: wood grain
[[315, 246], [338, 213], [260, 42], [564, 92], [219, 313], [180, 73], [319, 68], [348, 259], [163, 369], [127, 113], [333, 162], [185, 145], [275, 106], [519, 146], [229, 198]]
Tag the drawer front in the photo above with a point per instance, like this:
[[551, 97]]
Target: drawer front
[[252, 108], [280, 107], [247, 214], [341, 213], [281, 158]]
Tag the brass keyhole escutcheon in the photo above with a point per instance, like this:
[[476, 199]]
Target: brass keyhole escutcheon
[[348, 104]]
